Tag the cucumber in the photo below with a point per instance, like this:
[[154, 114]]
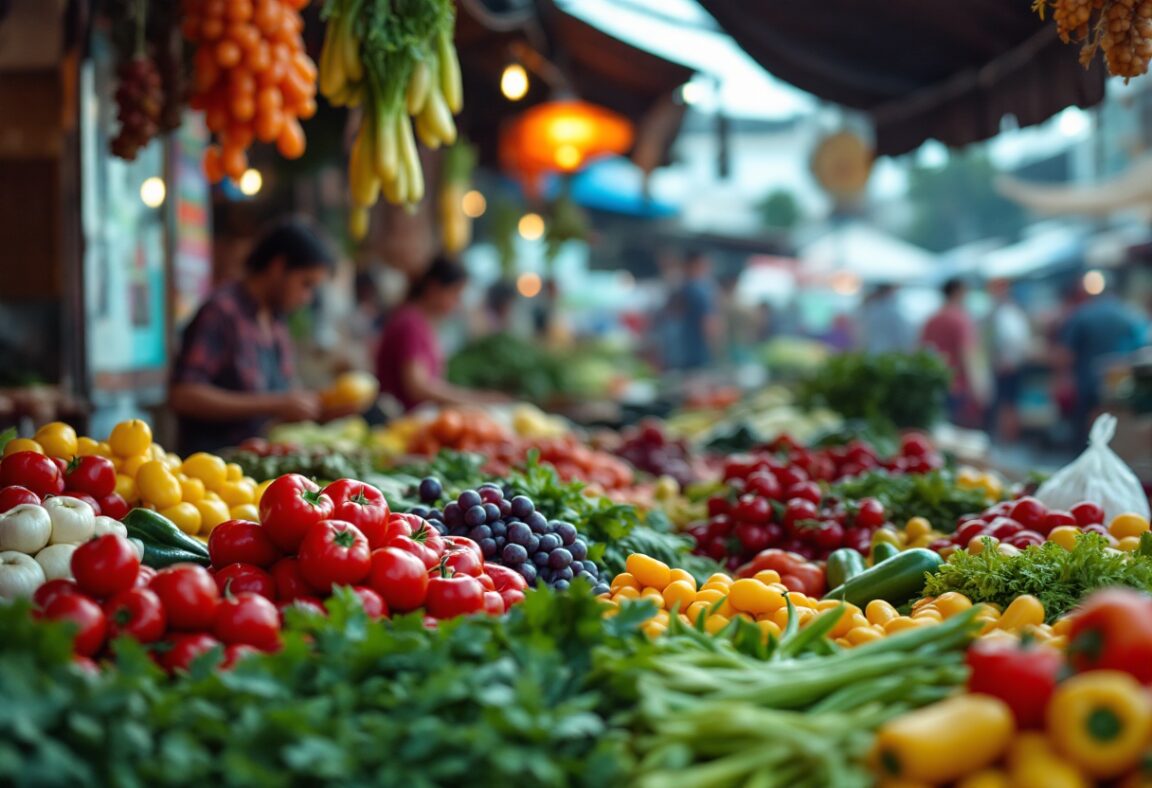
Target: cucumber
[[153, 527], [882, 551], [896, 580], [159, 556], [843, 565]]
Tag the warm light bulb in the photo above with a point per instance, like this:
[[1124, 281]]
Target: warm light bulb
[[1093, 282], [528, 285], [152, 192], [568, 157], [473, 204], [251, 182], [514, 82], [531, 227]]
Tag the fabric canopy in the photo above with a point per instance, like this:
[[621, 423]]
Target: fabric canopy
[[1129, 191], [921, 69]]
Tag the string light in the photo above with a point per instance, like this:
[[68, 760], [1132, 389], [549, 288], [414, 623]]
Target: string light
[[473, 204], [531, 227], [153, 192], [514, 82], [528, 285], [251, 182], [1093, 282]]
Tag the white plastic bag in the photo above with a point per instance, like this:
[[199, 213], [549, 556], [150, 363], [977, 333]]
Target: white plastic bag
[[1098, 475]]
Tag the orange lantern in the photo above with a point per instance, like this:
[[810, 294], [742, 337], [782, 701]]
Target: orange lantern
[[562, 136]]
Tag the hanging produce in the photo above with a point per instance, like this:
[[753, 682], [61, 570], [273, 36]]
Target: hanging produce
[[140, 96], [1121, 28], [252, 78], [395, 60], [455, 179]]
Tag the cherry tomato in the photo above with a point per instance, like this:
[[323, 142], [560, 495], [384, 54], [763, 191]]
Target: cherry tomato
[[308, 604], [105, 565], [362, 505], [290, 583], [1086, 513], [144, 576], [1023, 539], [185, 648], [828, 536], [52, 589], [870, 514], [1055, 520], [1029, 512], [915, 444], [1003, 527], [765, 484], [92, 474], [113, 506], [859, 539], [454, 595], [236, 652], [753, 536], [798, 511], [189, 595], [752, 509], [243, 542], [967, 530], [289, 505], [399, 577], [334, 553], [373, 603], [790, 475], [136, 612], [239, 578], [91, 626], [14, 495], [739, 466], [248, 619], [809, 491], [32, 471]]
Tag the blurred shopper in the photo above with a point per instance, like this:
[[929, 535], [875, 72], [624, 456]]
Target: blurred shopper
[[236, 370], [499, 306], [409, 359], [549, 324], [766, 322], [841, 335], [1009, 343], [701, 325], [951, 332], [884, 328], [1098, 329]]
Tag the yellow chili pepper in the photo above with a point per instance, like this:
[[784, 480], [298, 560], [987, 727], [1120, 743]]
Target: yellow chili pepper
[[1025, 610], [1101, 720], [945, 741], [1034, 764]]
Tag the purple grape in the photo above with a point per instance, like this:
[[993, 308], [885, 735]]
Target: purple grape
[[439, 526], [436, 514], [578, 549], [491, 512], [559, 558], [537, 522], [563, 574], [480, 532], [491, 495], [453, 515], [561, 585], [430, 489], [566, 532], [475, 516], [514, 554], [468, 499], [533, 543], [499, 528], [420, 511], [522, 506], [518, 533], [488, 547], [489, 486], [505, 508], [591, 568], [549, 542], [528, 572], [540, 559], [500, 542], [600, 588], [546, 575]]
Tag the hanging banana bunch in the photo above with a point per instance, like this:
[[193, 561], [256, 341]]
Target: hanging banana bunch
[[395, 60]]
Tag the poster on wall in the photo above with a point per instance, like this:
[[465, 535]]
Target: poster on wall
[[192, 261]]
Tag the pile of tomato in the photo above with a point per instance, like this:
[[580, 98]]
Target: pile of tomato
[[29, 477], [1026, 521]]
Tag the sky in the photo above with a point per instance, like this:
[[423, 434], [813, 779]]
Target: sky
[[681, 31]]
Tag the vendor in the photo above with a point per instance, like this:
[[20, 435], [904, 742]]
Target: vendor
[[235, 371], [409, 360]]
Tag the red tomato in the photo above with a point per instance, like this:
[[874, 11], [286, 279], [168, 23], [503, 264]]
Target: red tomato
[[809, 491], [493, 603], [14, 495], [373, 603], [506, 581], [33, 471], [1025, 539], [86, 498], [463, 556], [453, 596], [1112, 630], [399, 577], [248, 619], [754, 509], [241, 542], [764, 484], [753, 537], [1086, 513], [290, 583], [1029, 512], [113, 506], [799, 510], [52, 589], [739, 466], [138, 613], [234, 653], [105, 565], [144, 576], [334, 553], [870, 514], [362, 505], [414, 535], [309, 604], [805, 575], [791, 474], [967, 530], [189, 596], [1055, 520], [91, 626], [240, 578], [1003, 527], [91, 474], [289, 505], [185, 648], [915, 444]]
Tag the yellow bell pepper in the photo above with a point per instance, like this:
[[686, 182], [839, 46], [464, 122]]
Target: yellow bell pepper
[[1101, 721], [945, 741], [1034, 764]]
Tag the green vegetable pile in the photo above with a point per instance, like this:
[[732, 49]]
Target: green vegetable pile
[[320, 463], [906, 390], [1059, 578], [501, 362], [934, 496]]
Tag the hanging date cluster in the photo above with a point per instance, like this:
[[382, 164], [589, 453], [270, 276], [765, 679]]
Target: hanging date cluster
[[1121, 29]]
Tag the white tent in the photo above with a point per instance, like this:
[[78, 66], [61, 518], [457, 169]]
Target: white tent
[[1128, 191], [1050, 246], [868, 253]]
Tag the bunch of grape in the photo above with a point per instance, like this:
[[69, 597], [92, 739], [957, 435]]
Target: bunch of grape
[[139, 100], [511, 532]]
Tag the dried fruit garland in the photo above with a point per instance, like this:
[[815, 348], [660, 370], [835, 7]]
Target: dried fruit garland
[[1122, 29]]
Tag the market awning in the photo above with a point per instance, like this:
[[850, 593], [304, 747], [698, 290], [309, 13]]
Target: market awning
[[599, 68], [1129, 191], [921, 70]]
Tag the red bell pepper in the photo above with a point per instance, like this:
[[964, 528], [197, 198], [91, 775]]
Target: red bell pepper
[[1112, 630], [1022, 676]]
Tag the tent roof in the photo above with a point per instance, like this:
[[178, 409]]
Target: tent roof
[[871, 254], [921, 69]]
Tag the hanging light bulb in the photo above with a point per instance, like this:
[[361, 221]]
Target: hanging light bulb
[[514, 82], [251, 182], [153, 192]]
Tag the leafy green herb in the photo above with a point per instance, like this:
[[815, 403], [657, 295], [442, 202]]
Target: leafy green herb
[[907, 390], [1059, 578]]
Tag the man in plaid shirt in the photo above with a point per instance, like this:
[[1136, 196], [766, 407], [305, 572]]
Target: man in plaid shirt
[[235, 370]]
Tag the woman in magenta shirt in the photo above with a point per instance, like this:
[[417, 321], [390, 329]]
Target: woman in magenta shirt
[[409, 361]]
